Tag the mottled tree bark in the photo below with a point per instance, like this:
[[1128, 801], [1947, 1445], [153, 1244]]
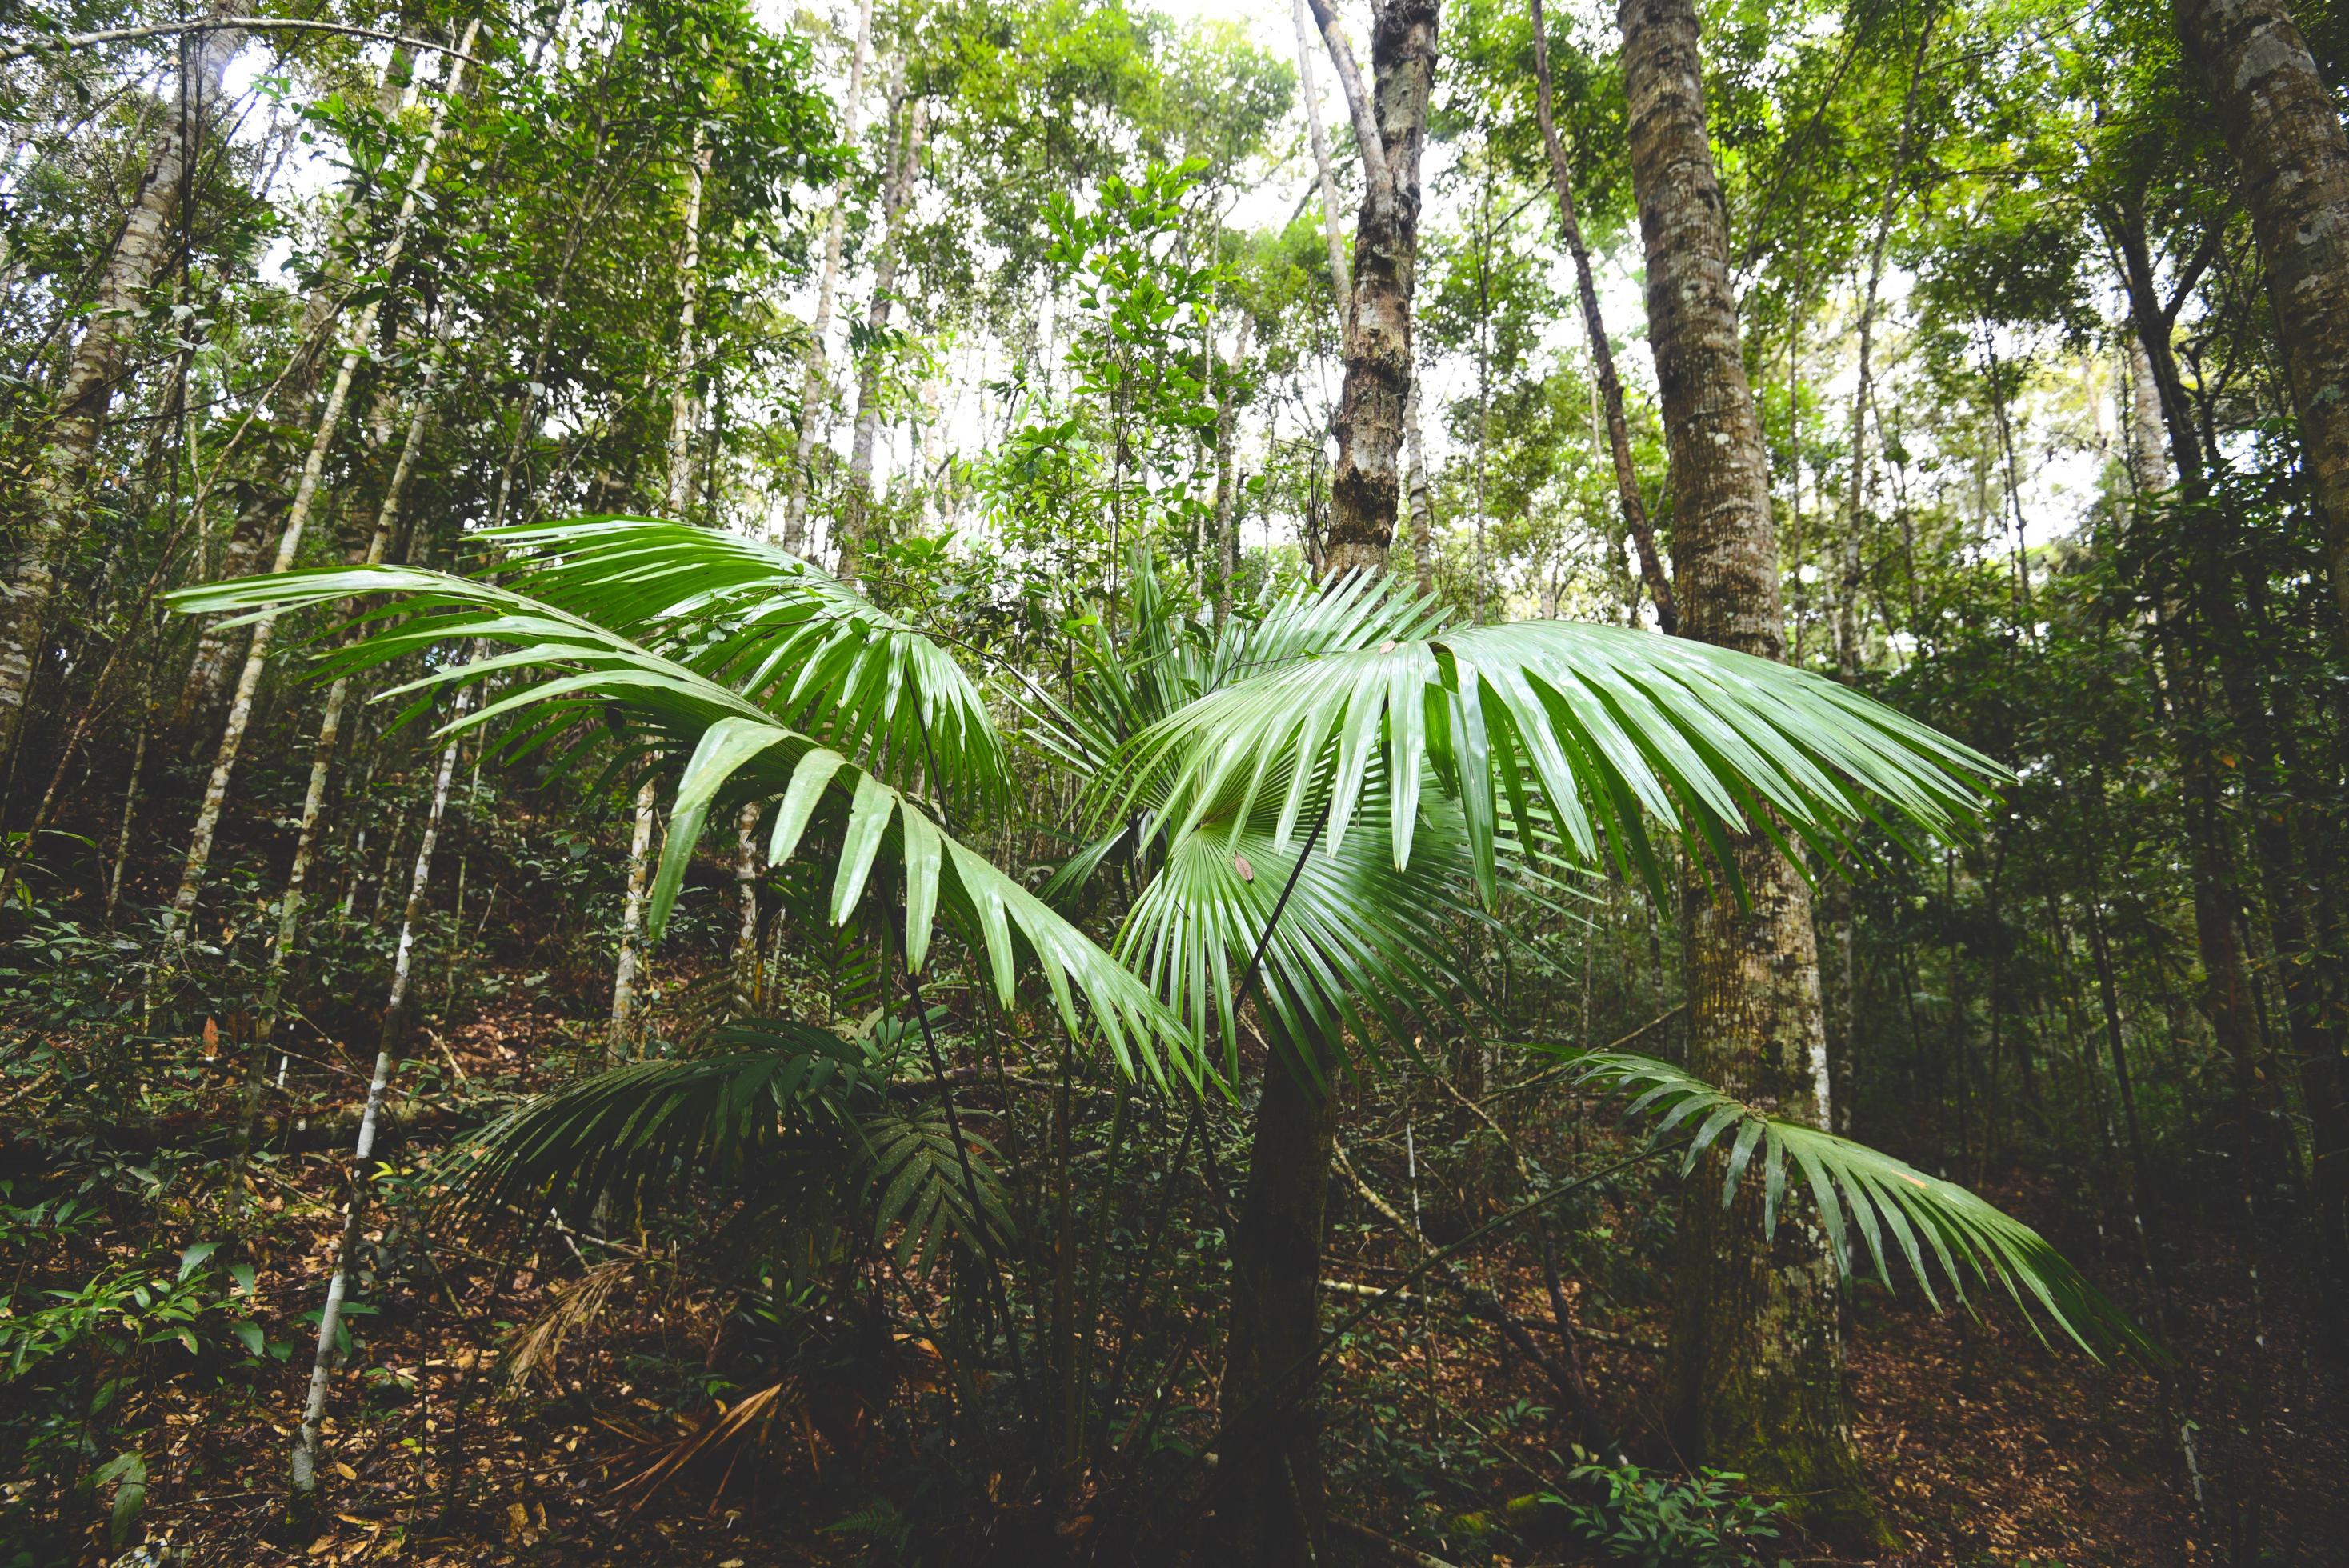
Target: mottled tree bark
[[1341, 285], [1603, 351], [53, 489], [2284, 129], [813, 383], [622, 1046], [1366, 485], [1756, 1345], [856, 519]]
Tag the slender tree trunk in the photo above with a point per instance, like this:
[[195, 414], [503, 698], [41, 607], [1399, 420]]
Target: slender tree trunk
[[813, 387], [748, 992], [176, 919], [1219, 577], [53, 491], [1757, 1350], [632, 929], [1390, 123], [857, 522], [684, 407], [266, 1020], [1419, 496], [394, 1018], [1342, 286], [1837, 926], [2283, 126], [129, 814], [1602, 351]]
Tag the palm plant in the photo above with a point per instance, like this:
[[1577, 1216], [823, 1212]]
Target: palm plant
[[1315, 801]]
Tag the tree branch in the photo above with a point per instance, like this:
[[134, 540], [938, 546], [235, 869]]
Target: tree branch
[[14, 52], [1377, 176]]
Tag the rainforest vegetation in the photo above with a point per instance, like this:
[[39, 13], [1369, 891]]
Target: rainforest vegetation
[[1047, 781]]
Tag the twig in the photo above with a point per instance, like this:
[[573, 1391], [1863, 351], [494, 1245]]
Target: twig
[[71, 41]]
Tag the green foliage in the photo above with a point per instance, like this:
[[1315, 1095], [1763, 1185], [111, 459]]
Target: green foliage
[[1637, 1516], [1854, 1188]]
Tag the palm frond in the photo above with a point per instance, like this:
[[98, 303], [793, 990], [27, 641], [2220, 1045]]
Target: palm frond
[[916, 1186], [635, 1128], [1605, 725], [735, 752], [800, 643], [1935, 1227]]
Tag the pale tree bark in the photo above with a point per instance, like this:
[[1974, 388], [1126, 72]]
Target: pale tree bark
[[856, 519], [748, 993], [2284, 129], [684, 407], [1756, 1345], [1270, 1505], [267, 1019], [395, 1019], [1838, 929], [1602, 349], [632, 928], [1219, 576], [53, 489], [1342, 286], [814, 384], [1391, 122], [1419, 494], [176, 919], [680, 493]]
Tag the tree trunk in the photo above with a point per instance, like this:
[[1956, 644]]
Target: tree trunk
[[812, 385], [1419, 495], [854, 542], [1757, 1352], [289, 545], [2284, 129], [1269, 1504], [748, 993], [54, 488], [1391, 122], [1602, 351], [632, 928], [395, 1017], [1341, 287], [683, 408]]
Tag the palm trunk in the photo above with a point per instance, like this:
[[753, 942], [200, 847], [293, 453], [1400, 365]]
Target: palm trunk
[[813, 384], [1602, 349], [395, 1017], [54, 488], [289, 543], [856, 523], [2284, 129], [1391, 122], [1269, 1504], [1756, 1351]]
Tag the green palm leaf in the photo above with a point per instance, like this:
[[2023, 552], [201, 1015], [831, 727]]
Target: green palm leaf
[[1602, 725], [1936, 1227], [797, 641], [569, 665]]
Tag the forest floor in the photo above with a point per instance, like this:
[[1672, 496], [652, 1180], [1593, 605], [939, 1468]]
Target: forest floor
[[1983, 1444]]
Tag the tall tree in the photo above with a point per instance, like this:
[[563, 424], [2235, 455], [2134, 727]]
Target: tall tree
[[54, 488], [2284, 129], [1756, 1347], [1390, 124]]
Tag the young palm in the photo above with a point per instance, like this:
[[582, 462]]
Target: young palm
[[1327, 793], [1321, 797]]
